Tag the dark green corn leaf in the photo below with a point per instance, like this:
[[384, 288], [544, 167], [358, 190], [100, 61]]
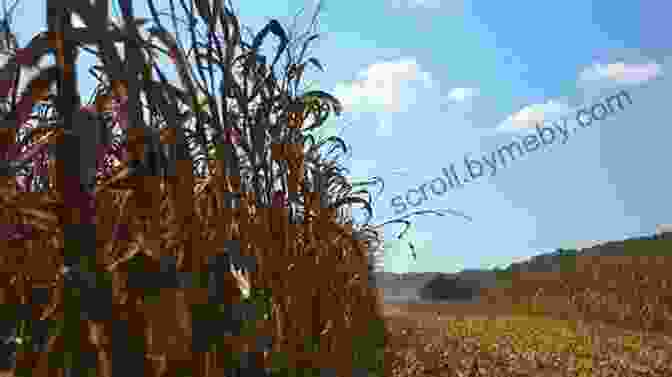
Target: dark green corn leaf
[[259, 38], [305, 45], [324, 96], [316, 63], [155, 30], [340, 143], [368, 194], [371, 181], [260, 59], [309, 141], [7, 19], [351, 200], [274, 27], [279, 32]]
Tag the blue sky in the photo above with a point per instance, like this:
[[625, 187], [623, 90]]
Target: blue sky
[[426, 82]]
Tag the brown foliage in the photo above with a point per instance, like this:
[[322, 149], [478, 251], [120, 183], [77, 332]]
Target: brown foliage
[[316, 270]]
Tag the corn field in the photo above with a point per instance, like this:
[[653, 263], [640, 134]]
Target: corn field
[[201, 235]]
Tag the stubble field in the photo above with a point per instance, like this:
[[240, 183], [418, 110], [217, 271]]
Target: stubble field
[[608, 317]]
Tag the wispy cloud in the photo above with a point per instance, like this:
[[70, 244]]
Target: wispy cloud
[[430, 4], [531, 115], [621, 73], [462, 94], [424, 3], [597, 74]]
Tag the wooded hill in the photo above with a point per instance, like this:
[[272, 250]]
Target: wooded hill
[[466, 284]]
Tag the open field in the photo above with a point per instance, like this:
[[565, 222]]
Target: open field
[[610, 316], [444, 340]]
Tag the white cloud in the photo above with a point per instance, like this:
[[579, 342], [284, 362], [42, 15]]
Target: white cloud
[[424, 3], [621, 73], [531, 115], [430, 4], [385, 86], [461, 94]]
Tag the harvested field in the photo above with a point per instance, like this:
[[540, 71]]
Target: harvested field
[[456, 340], [608, 317]]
